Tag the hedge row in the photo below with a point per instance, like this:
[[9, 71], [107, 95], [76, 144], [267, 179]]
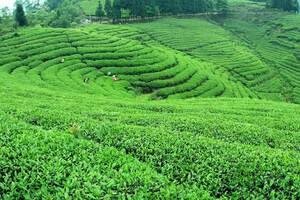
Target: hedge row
[[49, 40], [198, 161], [165, 74], [125, 63], [50, 74], [163, 65], [117, 55], [20, 70], [44, 49], [23, 39], [105, 49], [106, 42], [6, 60], [214, 91], [178, 79], [8, 68], [65, 75], [44, 65], [104, 172], [132, 48], [197, 79], [51, 55], [201, 89]]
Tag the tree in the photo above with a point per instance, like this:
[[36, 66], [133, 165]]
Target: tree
[[32, 9], [175, 7], [42, 17], [31, 5], [143, 8], [53, 4], [7, 21], [67, 15], [286, 5], [140, 8], [222, 6], [99, 11], [151, 8], [108, 8], [116, 10], [20, 16]]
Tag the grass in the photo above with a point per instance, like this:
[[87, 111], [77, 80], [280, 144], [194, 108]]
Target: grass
[[191, 117]]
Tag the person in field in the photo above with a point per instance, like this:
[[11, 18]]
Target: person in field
[[86, 80], [115, 78]]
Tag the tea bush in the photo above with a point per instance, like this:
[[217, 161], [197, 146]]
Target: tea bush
[[69, 131]]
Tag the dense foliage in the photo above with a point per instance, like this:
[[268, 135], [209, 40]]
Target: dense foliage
[[287, 5], [69, 13], [99, 11], [143, 8], [20, 16], [6, 21], [53, 4], [108, 8]]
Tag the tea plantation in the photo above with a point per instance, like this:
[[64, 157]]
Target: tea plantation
[[191, 115], [276, 40]]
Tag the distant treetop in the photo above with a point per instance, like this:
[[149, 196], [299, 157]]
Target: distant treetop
[[20, 16], [286, 5]]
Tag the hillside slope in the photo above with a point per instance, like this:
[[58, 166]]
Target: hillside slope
[[189, 117], [220, 81], [56, 142], [36, 55], [257, 47], [209, 42], [275, 38]]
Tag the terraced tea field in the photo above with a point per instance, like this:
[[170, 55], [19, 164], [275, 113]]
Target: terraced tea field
[[276, 39], [54, 143], [262, 53], [209, 42], [92, 54], [187, 119], [219, 82]]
